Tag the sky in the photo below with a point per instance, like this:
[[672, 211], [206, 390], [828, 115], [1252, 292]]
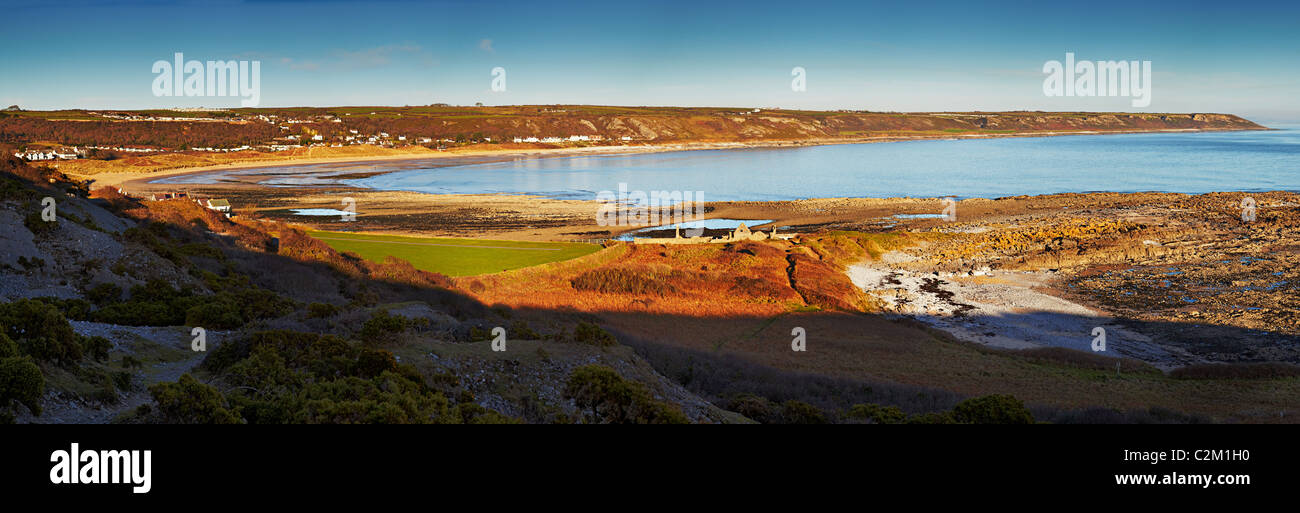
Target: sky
[[1235, 57]]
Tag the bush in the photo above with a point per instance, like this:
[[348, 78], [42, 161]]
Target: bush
[[20, 382], [992, 409], [104, 293], [799, 412], [286, 376], [321, 311], [752, 406], [932, 418], [40, 330], [382, 327], [612, 399], [588, 333], [8, 348], [215, 314], [157, 303], [37, 224], [877, 414], [189, 402], [95, 347]]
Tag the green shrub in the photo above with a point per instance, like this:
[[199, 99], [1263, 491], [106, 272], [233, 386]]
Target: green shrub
[[588, 333], [383, 327], [8, 348], [293, 377], [932, 418], [992, 409], [37, 224], [20, 382], [321, 311], [798, 412], [519, 330], [78, 309], [95, 347], [104, 293], [752, 406], [215, 313], [190, 402], [877, 414], [612, 399], [40, 330]]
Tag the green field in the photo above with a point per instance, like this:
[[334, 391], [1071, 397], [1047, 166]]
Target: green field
[[455, 257]]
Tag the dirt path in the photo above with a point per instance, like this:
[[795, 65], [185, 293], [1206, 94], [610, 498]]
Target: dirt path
[[127, 340]]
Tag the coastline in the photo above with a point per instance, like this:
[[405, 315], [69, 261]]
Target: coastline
[[137, 180]]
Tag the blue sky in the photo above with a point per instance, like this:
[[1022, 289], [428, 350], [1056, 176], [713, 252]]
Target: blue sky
[[1238, 57]]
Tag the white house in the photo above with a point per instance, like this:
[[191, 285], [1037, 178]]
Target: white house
[[218, 205]]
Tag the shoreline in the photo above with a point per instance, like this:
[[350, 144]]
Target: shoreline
[[129, 179]]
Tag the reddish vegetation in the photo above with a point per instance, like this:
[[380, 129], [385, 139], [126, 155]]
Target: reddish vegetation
[[158, 134], [740, 279]]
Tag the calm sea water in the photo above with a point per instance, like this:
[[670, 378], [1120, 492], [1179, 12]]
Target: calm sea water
[[1169, 162]]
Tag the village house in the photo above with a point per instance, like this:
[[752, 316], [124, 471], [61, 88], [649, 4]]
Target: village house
[[218, 205]]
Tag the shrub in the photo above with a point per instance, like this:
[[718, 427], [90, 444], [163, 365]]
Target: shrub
[[321, 311], [382, 327], [20, 382], [104, 293], [38, 225], [877, 414], [799, 412], [78, 309], [612, 399], [752, 406], [519, 330], [8, 348], [588, 333], [187, 401], [40, 330], [992, 409], [215, 313], [95, 347], [932, 418]]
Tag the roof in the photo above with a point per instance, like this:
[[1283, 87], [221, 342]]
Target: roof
[[218, 203]]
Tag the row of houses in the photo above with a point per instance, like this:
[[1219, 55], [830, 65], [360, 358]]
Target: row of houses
[[125, 149], [571, 138], [59, 154]]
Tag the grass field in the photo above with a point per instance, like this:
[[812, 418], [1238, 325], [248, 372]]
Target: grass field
[[455, 257]]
